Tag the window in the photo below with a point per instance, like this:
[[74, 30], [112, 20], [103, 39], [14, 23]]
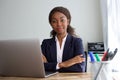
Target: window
[[113, 7], [111, 27]]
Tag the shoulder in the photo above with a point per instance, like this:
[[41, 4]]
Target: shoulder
[[77, 38], [47, 41], [74, 38]]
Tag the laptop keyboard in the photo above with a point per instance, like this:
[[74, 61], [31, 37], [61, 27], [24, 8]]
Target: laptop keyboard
[[48, 73]]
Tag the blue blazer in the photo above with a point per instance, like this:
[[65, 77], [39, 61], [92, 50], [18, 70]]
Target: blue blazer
[[73, 47]]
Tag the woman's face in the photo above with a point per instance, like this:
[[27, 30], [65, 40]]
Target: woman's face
[[59, 23]]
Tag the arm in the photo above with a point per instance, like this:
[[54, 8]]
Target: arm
[[49, 59], [68, 63], [48, 66], [71, 62]]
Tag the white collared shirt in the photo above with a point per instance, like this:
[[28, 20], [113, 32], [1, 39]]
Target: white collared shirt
[[60, 50]]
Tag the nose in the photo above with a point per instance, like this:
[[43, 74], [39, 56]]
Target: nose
[[58, 23]]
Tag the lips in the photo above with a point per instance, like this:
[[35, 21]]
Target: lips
[[59, 29]]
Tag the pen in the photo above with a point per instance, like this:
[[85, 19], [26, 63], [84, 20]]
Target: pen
[[114, 53], [105, 55], [110, 55], [97, 57], [91, 56]]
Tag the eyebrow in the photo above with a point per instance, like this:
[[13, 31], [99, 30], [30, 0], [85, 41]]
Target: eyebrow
[[60, 17]]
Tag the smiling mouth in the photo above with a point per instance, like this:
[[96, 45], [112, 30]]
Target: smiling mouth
[[59, 29]]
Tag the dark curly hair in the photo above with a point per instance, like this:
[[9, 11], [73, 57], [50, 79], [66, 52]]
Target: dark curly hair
[[66, 12]]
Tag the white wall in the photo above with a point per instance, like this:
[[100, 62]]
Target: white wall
[[29, 18]]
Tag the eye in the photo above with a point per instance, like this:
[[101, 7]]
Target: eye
[[62, 20], [53, 21]]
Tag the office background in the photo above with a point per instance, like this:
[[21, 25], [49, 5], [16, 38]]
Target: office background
[[29, 19]]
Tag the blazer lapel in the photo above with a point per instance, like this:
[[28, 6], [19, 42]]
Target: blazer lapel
[[67, 46], [53, 49]]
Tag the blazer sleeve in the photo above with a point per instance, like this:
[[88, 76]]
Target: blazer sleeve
[[80, 50], [49, 66]]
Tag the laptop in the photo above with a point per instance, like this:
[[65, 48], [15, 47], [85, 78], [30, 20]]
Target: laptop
[[22, 58]]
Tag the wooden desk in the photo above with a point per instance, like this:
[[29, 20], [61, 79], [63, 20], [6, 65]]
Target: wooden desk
[[59, 76]]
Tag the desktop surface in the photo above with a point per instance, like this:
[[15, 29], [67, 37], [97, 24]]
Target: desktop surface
[[59, 76]]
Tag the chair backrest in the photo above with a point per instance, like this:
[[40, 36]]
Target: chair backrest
[[86, 61]]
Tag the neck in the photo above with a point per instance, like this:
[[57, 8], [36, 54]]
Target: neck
[[61, 36]]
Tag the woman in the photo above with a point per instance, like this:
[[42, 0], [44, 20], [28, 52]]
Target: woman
[[64, 51]]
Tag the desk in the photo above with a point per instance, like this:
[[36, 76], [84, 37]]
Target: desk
[[59, 76]]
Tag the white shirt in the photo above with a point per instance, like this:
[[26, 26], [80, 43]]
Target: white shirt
[[60, 50]]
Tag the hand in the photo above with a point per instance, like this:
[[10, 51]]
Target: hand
[[44, 59], [79, 59], [70, 62]]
